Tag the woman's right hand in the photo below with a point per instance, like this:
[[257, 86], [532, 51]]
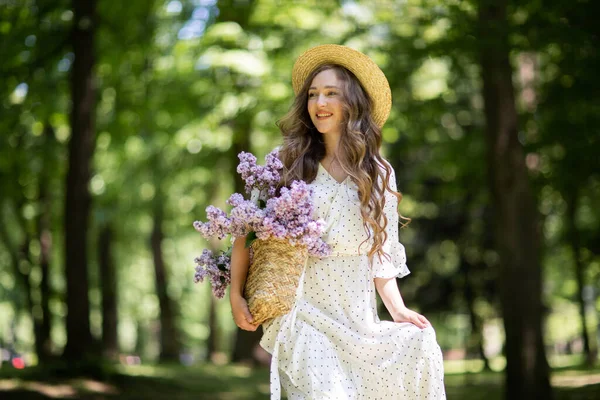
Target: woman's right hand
[[241, 314]]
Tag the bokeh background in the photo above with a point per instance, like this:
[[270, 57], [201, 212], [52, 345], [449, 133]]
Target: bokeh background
[[121, 121]]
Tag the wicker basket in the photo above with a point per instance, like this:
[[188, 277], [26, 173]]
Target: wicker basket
[[273, 278]]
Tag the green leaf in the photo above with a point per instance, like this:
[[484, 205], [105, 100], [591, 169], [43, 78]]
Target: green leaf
[[250, 238]]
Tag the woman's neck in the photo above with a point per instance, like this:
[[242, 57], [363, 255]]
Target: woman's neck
[[331, 146]]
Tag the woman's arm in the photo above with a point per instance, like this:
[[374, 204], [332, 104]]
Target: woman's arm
[[240, 261], [390, 294]]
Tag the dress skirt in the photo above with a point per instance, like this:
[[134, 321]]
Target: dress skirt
[[332, 344]]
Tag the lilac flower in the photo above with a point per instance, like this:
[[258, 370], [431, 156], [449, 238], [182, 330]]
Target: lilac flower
[[204, 264], [200, 274], [319, 248], [247, 168], [219, 284], [218, 224], [273, 161], [245, 217], [216, 269], [235, 199], [223, 261], [289, 216], [244, 212], [264, 178]]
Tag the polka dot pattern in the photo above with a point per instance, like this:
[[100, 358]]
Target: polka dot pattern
[[332, 344]]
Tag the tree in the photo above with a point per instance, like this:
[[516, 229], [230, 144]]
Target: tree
[[108, 288], [77, 206], [568, 97], [517, 234], [30, 157], [170, 345]]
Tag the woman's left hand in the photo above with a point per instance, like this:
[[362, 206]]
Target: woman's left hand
[[408, 315]]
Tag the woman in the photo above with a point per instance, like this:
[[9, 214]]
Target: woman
[[332, 344]]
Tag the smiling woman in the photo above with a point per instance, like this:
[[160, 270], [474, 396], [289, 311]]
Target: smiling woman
[[332, 344]]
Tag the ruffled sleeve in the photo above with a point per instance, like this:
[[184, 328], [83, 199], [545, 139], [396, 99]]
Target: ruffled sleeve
[[395, 264]]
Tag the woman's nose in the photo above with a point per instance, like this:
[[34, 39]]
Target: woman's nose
[[321, 101]]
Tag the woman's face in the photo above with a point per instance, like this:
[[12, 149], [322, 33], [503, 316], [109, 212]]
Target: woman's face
[[325, 102]]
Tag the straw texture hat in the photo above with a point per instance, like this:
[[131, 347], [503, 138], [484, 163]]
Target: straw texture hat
[[368, 73]]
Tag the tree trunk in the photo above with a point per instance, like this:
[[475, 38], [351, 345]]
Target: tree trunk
[[21, 275], [597, 301], [517, 234], [32, 307], [211, 343], [142, 331], [21, 264], [108, 287], [169, 335], [77, 206], [476, 337], [240, 12], [44, 342], [573, 235]]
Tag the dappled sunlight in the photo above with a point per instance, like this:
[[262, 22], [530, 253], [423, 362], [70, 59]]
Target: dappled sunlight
[[97, 387], [430, 80], [238, 371], [237, 60], [460, 367], [8, 384], [148, 370], [576, 379], [58, 390]]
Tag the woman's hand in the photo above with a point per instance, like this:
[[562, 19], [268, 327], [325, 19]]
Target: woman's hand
[[406, 315], [241, 313], [388, 290]]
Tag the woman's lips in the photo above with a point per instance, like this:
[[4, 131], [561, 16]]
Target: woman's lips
[[324, 115]]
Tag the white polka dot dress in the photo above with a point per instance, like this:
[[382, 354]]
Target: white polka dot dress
[[332, 344]]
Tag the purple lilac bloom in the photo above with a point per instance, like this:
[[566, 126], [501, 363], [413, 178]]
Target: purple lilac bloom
[[219, 284], [216, 269], [289, 216], [224, 262], [273, 161], [271, 175], [247, 168], [245, 217], [319, 248], [204, 264], [200, 274], [218, 224], [264, 178], [235, 199]]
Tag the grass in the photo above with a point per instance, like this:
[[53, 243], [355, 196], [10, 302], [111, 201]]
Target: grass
[[232, 382]]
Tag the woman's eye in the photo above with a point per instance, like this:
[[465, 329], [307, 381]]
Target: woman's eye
[[328, 94]]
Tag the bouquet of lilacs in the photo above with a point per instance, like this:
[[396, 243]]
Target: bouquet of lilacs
[[271, 214]]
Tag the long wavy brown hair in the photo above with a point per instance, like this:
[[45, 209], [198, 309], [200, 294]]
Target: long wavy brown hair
[[358, 151]]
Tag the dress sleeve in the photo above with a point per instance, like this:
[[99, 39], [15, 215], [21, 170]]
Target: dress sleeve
[[395, 264]]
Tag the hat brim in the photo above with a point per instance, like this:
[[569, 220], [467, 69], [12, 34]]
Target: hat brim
[[366, 71]]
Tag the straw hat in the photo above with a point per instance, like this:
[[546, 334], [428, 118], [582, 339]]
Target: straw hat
[[368, 73]]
